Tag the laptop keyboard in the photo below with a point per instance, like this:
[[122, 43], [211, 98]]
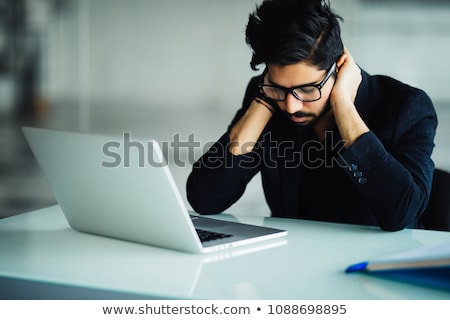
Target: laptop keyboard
[[209, 235]]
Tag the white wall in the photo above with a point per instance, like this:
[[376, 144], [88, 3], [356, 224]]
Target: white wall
[[408, 41], [178, 54], [164, 53]]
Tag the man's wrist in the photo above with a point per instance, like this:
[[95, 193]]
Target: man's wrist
[[265, 104], [261, 98]]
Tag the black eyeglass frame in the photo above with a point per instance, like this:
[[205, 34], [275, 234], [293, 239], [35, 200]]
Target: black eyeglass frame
[[286, 91]]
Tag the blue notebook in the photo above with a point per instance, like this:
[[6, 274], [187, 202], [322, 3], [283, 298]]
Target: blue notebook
[[427, 265]]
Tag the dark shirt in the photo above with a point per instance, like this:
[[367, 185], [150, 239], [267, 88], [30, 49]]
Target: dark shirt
[[383, 179]]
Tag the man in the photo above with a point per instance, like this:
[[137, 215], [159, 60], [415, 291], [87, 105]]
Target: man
[[332, 142]]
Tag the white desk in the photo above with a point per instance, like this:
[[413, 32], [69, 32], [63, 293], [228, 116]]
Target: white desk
[[41, 257]]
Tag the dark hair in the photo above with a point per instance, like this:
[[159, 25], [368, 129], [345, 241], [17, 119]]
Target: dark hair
[[290, 31]]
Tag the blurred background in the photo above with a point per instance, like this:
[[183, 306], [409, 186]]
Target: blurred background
[[161, 68]]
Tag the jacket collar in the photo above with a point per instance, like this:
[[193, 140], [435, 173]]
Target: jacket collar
[[362, 96]]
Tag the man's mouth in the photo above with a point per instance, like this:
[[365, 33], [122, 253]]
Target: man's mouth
[[300, 117]]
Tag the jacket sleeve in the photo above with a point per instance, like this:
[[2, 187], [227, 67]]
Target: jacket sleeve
[[219, 178], [396, 178]]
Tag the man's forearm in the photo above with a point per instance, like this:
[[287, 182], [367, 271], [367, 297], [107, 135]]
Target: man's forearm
[[351, 125], [248, 129]]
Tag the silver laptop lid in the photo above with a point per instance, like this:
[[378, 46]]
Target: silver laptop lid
[[107, 188]]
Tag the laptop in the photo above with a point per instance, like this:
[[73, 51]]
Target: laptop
[[122, 188]]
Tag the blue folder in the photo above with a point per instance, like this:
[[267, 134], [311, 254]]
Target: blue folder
[[427, 265]]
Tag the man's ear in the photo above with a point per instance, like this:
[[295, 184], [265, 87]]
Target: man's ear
[[340, 61]]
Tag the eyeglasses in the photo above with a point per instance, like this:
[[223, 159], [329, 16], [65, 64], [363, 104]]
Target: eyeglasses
[[306, 93]]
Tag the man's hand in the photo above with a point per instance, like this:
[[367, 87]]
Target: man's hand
[[342, 99], [347, 81]]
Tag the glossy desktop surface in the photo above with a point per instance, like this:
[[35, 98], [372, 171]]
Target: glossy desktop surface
[[40, 252]]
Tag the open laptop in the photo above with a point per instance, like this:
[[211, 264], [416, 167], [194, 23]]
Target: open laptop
[[122, 188]]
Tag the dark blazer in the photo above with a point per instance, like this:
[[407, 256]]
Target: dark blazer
[[383, 179]]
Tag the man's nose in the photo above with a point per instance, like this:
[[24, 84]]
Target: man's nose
[[292, 104]]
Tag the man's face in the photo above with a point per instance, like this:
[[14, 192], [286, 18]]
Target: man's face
[[295, 75]]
